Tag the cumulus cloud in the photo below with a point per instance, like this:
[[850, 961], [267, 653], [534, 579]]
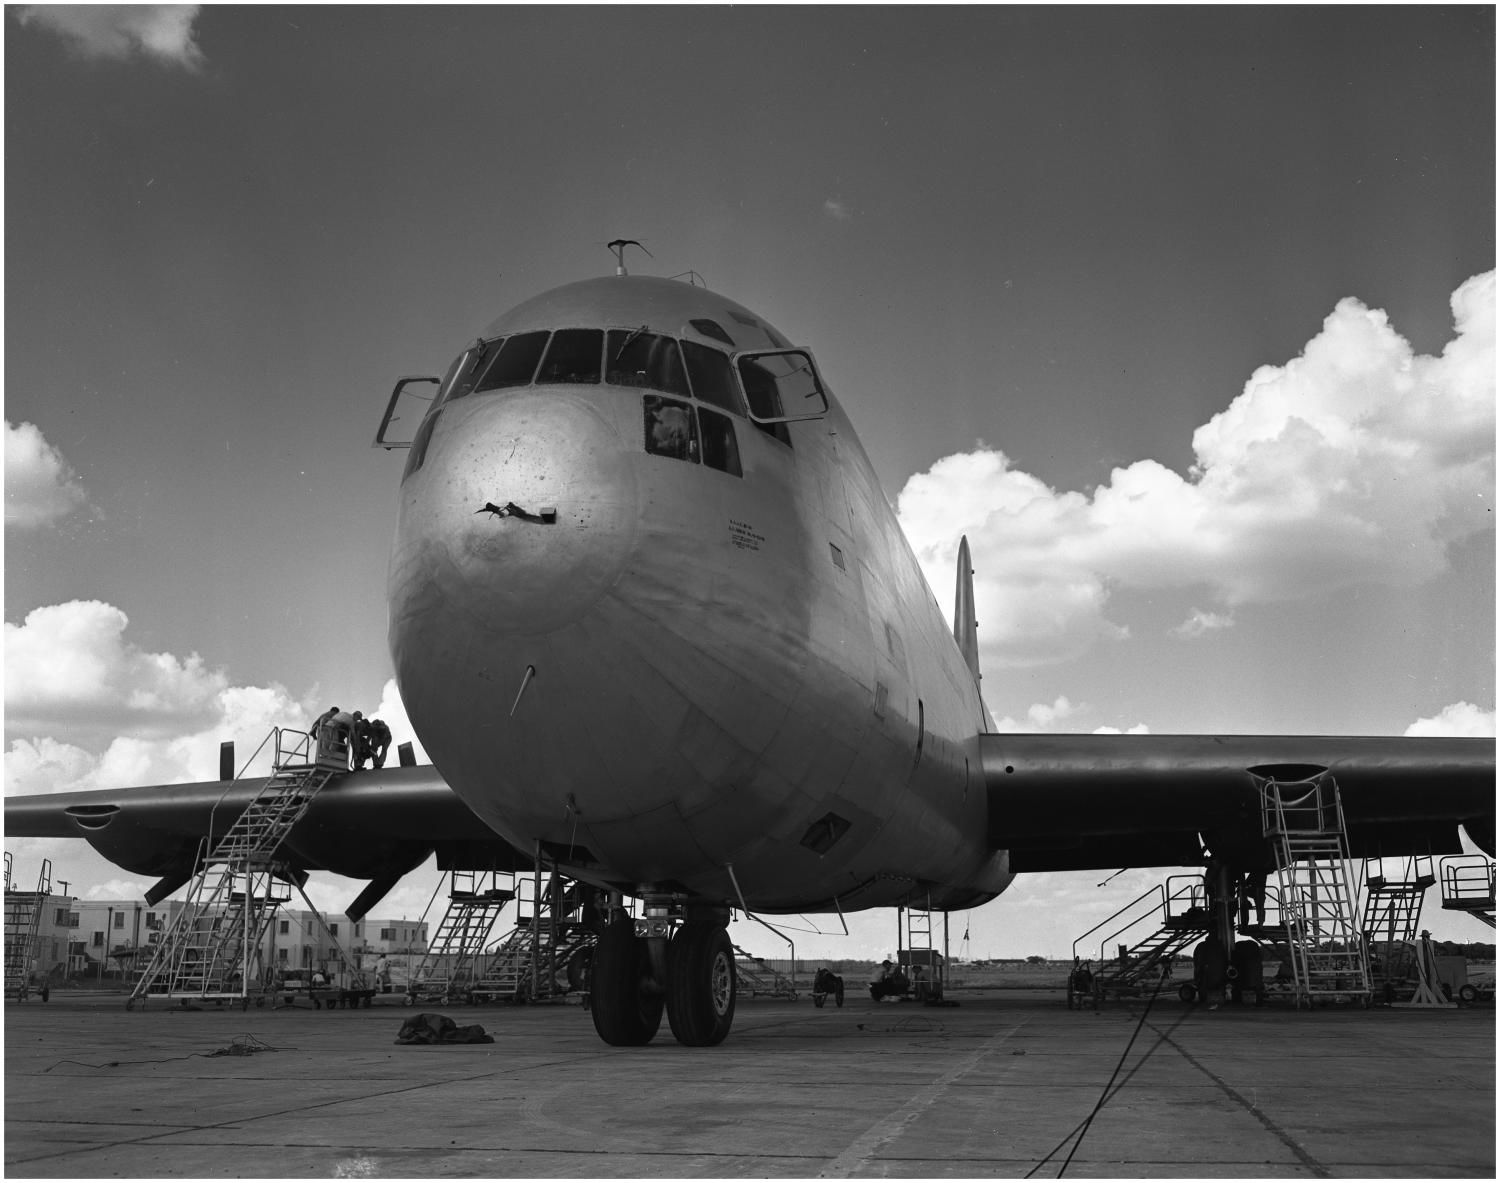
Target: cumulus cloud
[[160, 32], [1200, 622], [1359, 461], [838, 210], [1459, 718], [1040, 716], [85, 708], [40, 485], [1138, 729]]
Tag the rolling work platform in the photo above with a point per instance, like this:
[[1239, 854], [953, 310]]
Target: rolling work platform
[[1149, 933], [1395, 889], [451, 966], [916, 957], [1469, 886], [756, 977], [548, 952], [23, 921], [212, 951], [1304, 820]]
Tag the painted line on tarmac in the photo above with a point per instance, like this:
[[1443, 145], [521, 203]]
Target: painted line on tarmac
[[1251, 1108], [859, 1152]]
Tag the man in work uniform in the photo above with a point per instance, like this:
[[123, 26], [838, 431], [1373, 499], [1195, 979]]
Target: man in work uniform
[[380, 742]]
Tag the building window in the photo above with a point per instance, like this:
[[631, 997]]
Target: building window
[[333, 930], [119, 919], [286, 927], [98, 940], [153, 922], [66, 919], [387, 934]]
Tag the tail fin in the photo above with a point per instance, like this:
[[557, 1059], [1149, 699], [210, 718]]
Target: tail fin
[[965, 627]]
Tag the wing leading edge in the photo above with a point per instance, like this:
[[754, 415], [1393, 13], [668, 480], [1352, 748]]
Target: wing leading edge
[[1076, 802]]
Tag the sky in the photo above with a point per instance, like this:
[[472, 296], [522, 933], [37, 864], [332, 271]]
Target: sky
[[1184, 316]]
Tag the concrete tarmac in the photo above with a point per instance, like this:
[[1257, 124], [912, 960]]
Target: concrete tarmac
[[999, 1085]]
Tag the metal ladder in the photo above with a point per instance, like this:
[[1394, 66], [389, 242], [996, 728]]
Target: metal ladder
[[1391, 915], [23, 922], [1469, 886], [919, 960], [755, 976], [213, 948], [1304, 819], [1178, 910], [544, 956], [448, 969], [1393, 903]]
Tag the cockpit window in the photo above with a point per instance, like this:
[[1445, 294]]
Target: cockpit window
[[475, 361], [573, 356], [764, 393], [712, 328], [515, 363], [634, 357], [671, 429], [709, 372]]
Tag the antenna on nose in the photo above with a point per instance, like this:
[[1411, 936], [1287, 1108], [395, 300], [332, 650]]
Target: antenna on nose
[[618, 246]]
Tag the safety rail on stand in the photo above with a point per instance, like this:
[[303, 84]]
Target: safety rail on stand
[[755, 976], [1304, 819], [1177, 915], [451, 965], [23, 921], [214, 948], [1469, 885], [924, 966], [548, 953]]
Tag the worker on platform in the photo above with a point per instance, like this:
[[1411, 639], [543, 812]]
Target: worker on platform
[[360, 731], [321, 721], [380, 742]]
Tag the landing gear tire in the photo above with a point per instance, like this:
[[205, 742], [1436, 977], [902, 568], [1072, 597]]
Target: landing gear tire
[[1187, 992], [626, 1008], [700, 985], [1468, 993]]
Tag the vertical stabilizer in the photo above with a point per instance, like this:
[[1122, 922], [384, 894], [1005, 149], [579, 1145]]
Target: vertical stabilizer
[[965, 628]]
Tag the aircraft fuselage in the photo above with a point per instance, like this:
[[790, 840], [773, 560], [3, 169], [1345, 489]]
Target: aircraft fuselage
[[633, 625]]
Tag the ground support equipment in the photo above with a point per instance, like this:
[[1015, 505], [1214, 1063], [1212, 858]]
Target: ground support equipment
[[1469, 886], [1304, 820], [1148, 934], [548, 953], [450, 966], [23, 920], [756, 977], [212, 952]]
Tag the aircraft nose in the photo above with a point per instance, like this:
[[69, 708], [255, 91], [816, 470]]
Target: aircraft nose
[[522, 514]]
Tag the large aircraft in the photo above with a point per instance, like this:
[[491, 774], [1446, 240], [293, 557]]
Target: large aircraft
[[654, 619]]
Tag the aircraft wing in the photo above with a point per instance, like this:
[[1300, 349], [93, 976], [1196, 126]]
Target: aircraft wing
[[1076, 802], [374, 825]]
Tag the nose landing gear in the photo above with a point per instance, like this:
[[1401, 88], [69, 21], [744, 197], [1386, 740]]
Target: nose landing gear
[[625, 997], [700, 985], [690, 974]]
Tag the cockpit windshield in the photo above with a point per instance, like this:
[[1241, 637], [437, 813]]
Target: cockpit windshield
[[635, 357]]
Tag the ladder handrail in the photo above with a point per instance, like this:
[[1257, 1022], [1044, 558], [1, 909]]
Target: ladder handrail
[[1157, 889]]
